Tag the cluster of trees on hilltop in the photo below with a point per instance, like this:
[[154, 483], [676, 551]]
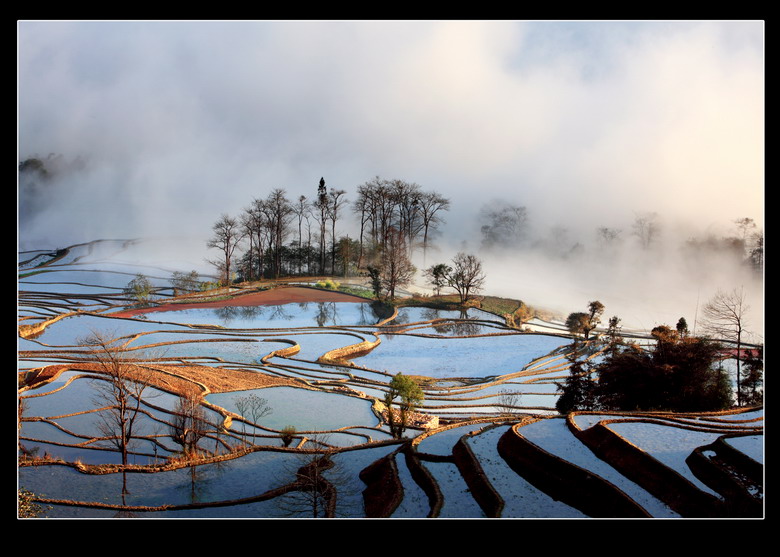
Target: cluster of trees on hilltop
[[278, 236]]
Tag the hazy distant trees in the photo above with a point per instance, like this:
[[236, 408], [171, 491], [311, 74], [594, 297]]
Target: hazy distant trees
[[227, 234], [752, 241], [608, 238], [757, 251], [745, 225], [430, 206], [313, 235], [503, 224], [646, 228], [39, 177]]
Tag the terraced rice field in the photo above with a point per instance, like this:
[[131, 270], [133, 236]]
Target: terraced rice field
[[494, 446]]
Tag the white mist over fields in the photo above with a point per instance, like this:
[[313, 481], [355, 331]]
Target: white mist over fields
[[584, 123], [644, 288]]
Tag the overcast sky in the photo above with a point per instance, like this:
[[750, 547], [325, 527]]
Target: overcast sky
[[579, 121], [584, 123]]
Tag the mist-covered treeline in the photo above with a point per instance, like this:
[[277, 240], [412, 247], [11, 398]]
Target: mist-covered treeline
[[508, 228]]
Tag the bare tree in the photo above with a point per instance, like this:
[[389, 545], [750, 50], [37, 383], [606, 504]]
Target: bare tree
[[744, 225], [227, 235], [466, 276], [278, 212], [301, 210], [363, 206], [431, 204], [119, 391], [646, 228], [259, 233], [725, 318], [189, 424], [509, 401], [336, 202], [252, 407], [608, 237], [396, 269]]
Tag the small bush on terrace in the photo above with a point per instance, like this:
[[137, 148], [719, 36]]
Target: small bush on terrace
[[329, 284]]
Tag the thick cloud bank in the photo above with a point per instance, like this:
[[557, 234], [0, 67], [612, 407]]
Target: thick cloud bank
[[585, 124]]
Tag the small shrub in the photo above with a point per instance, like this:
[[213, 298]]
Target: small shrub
[[28, 506], [287, 435], [329, 284]]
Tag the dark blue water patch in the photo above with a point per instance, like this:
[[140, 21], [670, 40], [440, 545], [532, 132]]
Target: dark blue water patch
[[252, 474], [415, 502], [248, 476], [441, 443], [80, 395], [84, 455], [458, 501], [462, 357]]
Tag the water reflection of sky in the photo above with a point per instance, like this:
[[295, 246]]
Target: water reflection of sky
[[463, 357], [304, 409], [282, 316]]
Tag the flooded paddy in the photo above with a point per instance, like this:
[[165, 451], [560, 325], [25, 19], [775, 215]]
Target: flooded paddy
[[473, 370]]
